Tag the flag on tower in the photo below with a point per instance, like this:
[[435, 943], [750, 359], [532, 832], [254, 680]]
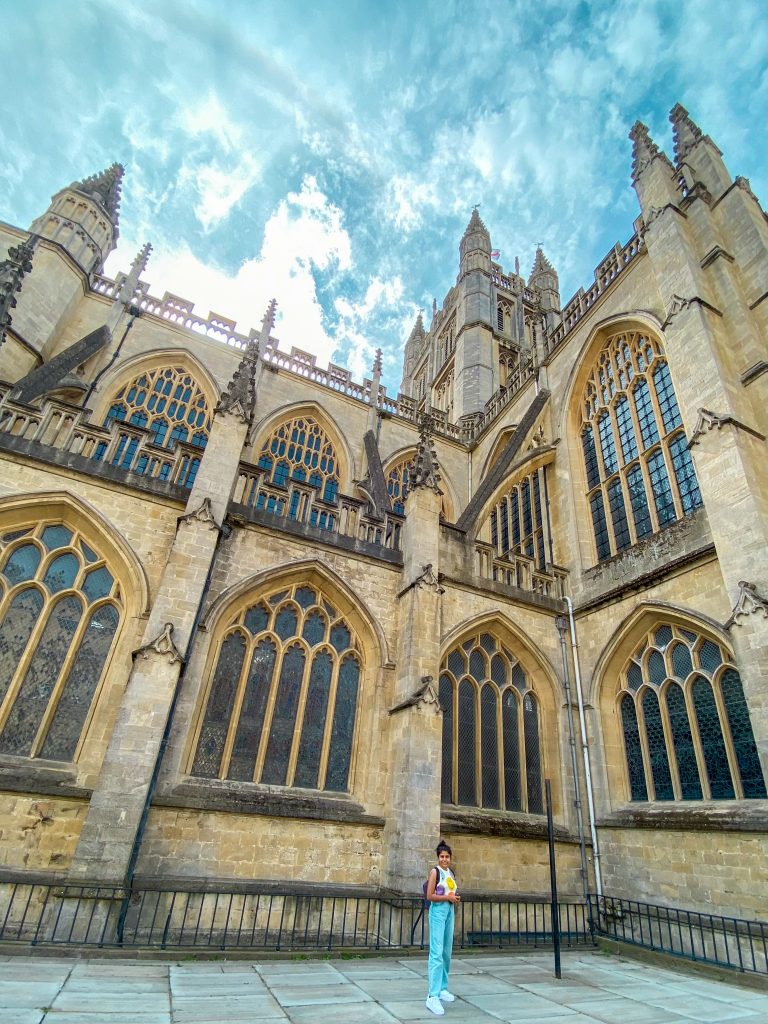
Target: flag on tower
[[495, 254]]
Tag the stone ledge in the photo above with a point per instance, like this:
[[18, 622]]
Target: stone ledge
[[40, 779], [726, 816], [49, 456], [204, 795], [499, 823], [246, 514], [554, 605]]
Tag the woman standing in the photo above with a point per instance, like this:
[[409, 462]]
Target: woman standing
[[442, 896]]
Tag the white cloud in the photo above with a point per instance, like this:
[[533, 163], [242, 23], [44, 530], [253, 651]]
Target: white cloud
[[304, 234]]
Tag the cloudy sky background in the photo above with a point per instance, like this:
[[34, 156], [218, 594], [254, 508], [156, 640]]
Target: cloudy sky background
[[329, 152]]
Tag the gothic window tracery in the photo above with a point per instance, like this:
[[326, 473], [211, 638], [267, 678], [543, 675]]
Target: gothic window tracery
[[60, 609], [491, 729], [282, 701], [509, 366], [685, 722], [517, 520], [168, 402], [639, 472], [300, 449]]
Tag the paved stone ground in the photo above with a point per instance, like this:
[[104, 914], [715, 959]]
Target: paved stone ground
[[596, 988]]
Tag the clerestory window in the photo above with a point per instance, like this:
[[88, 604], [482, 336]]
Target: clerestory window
[[283, 694], [640, 475], [300, 449]]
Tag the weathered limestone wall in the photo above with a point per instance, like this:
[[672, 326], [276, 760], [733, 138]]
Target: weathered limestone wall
[[723, 872], [39, 833], [490, 864], [212, 845]]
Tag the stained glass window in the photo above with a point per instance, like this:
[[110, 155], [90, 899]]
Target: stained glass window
[[59, 616], [520, 514], [300, 449], [707, 726], [282, 702], [633, 432], [491, 727], [168, 402]]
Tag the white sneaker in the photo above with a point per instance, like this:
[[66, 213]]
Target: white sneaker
[[434, 1004], [447, 997]]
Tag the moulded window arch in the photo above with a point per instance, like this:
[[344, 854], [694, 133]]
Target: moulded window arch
[[300, 449], [281, 702], [168, 402], [60, 612], [639, 473], [491, 745], [684, 720]]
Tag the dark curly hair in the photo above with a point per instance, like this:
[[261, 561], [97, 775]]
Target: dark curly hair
[[442, 845]]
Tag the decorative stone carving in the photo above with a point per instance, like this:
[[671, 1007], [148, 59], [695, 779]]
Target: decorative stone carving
[[203, 514], [13, 268], [538, 440], [162, 644], [677, 305], [240, 397], [709, 420], [428, 579], [653, 215], [747, 603], [425, 695], [743, 183], [426, 472]]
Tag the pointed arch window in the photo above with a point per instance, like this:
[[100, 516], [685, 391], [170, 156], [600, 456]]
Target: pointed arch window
[[300, 449], [517, 521], [60, 612], [168, 402], [491, 729], [685, 721], [282, 702], [639, 472]]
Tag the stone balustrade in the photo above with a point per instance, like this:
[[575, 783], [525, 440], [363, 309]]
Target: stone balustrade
[[301, 503], [519, 570]]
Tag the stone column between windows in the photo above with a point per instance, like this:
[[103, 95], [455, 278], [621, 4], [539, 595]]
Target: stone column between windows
[[109, 831], [413, 814]]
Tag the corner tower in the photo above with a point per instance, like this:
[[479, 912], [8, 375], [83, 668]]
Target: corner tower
[[83, 218], [474, 363]]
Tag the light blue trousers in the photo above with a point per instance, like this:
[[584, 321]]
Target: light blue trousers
[[440, 946]]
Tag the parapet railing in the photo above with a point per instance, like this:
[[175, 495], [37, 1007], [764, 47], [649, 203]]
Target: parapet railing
[[300, 502], [707, 938], [122, 445], [519, 570], [108, 917]]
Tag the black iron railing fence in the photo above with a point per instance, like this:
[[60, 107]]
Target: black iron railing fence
[[103, 917], [708, 938]]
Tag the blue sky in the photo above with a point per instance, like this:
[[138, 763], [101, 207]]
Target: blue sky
[[329, 152]]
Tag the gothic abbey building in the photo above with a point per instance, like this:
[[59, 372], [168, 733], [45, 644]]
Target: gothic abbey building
[[262, 623]]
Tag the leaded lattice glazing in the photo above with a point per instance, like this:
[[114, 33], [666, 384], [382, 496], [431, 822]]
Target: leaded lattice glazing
[[168, 402], [60, 609], [282, 702], [491, 729], [300, 449], [634, 446], [685, 721], [517, 523]]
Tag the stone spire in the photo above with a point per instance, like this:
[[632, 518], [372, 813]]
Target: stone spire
[[417, 334], [686, 133], [17, 263], [377, 363], [131, 281], [541, 264], [426, 471], [105, 188], [267, 323], [644, 150]]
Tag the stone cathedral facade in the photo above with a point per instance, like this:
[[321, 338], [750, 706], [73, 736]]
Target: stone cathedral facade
[[262, 623]]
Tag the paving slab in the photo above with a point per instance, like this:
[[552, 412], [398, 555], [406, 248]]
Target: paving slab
[[490, 988]]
